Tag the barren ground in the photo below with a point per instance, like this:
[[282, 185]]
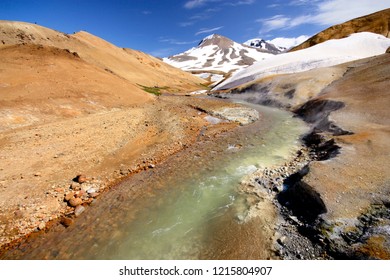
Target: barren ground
[[38, 162]]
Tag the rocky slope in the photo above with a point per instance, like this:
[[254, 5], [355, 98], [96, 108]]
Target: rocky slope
[[378, 23], [264, 45], [337, 202], [339, 198]]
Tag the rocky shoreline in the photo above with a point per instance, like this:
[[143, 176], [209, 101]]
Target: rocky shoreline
[[301, 231]]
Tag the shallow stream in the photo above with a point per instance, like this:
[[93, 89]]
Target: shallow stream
[[178, 209]]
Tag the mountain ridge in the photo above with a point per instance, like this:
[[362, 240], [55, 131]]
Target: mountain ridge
[[264, 45], [136, 67], [378, 22]]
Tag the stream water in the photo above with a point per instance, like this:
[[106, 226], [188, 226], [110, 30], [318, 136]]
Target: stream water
[[177, 209]]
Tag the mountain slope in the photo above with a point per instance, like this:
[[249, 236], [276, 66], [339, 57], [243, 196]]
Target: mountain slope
[[134, 66], [217, 54], [46, 75], [332, 52], [264, 45], [378, 22]]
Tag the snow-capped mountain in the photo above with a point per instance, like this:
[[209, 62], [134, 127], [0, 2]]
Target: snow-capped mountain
[[217, 55], [264, 45], [329, 53]]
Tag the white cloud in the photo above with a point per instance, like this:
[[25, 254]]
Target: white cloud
[[194, 4], [186, 23], [177, 42], [288, 42], [337, 11], [199, 17], [208, 30], [275, 22], [273, 6], [242, 2], [162, 52], [324, 13], [302, 2]]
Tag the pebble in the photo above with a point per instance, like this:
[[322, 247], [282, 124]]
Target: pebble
[[124, 171], [75, 201], [78, 210], [69, 196], [81, 178], [91, 190], [80, 193], [65, 221], [93, 195], [41, 226], [281, 240], [75, 186]]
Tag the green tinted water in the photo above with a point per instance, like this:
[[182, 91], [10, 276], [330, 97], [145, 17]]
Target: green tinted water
[[183, 200]]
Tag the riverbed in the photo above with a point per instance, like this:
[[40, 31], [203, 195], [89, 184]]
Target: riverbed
[[184, 207]]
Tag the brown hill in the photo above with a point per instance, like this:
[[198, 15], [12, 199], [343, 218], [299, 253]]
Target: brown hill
[[42, 83], [134, 66], [378, 22], [48, 74]]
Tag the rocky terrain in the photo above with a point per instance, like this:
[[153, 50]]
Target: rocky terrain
[[78, 114], [333, 197], [336, 198]]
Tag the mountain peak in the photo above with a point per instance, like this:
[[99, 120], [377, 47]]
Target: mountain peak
[[216, 39], [216, 56], [263, 45]]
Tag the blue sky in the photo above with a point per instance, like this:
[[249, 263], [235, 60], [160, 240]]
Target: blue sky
[[163, 28]]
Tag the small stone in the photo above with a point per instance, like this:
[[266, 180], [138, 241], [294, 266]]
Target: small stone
[[78, 210], [69, 196], [75, 201], [124, 171], [81, 178], [91, 190], [152, 166], [80, 193], [281, 240], [38, 174], [41, 226], [65, 221], [85, 187], [93, 195], [75, 186]]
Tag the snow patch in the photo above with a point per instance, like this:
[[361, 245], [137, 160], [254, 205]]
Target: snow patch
[[329, 53]]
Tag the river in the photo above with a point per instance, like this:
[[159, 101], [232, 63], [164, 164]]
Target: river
[[184, 208]]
